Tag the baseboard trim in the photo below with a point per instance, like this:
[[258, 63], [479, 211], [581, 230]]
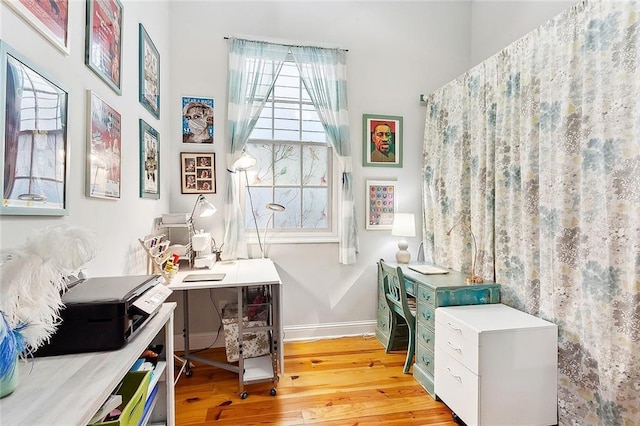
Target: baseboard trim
[[291, 334]]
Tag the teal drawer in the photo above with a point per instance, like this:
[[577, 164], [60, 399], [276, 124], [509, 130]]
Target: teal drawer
[[426, 336], [426, 295], [469, 295], [424, 358], [383, 316], [426, 315]]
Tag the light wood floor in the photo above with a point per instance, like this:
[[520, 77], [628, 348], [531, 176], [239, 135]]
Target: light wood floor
[[346, 381]]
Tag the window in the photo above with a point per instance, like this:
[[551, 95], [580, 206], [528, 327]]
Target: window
[[294, 164]]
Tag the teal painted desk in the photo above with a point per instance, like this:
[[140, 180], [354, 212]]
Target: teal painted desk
[[431, 292]]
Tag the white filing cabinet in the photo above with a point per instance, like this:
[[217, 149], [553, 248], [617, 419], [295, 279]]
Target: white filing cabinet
[[495, 365]]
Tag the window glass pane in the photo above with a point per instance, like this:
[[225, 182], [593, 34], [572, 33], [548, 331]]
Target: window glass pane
[[261, 133], [286, 135], [314, 165], [287, 164], [286, 111], [259, 198], [314, 208], [313, 137], [280, 92], [262, 173], [290, 199], [283, 124], [312, 126]]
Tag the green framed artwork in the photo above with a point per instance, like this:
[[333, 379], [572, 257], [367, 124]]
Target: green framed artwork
[[149, 74], [149, 161], [103, 51], [381, 140], [35, 147]]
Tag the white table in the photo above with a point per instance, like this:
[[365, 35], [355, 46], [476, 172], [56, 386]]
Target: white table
[[69, 389], [238, 274]]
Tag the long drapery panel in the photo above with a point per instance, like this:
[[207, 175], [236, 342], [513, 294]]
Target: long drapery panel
[[554, 120]]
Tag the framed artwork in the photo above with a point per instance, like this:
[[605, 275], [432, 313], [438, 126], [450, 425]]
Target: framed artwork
[[381, 204], [198, 172], [381, 140], [104, 149], [35, 149], [149, 74], [103, 51], [197, 120], [49, 18], [149, 162]]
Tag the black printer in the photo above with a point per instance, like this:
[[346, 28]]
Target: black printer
[[103, 313]]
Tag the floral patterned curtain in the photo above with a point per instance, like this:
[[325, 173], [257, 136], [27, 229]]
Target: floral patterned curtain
[[538, 149]]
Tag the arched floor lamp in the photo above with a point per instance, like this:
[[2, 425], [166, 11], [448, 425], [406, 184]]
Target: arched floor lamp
[[242, 164], [274, 207]]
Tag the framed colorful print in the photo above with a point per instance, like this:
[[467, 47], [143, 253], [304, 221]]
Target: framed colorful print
[[149, 162], [104, 149], [35, 148], [381, 140], [198, 172], [149, 74], [49, 18], [381, 204], [103, 51], [197, 120]]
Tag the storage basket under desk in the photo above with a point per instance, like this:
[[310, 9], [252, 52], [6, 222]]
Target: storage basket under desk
[[133, 388], [254, 343]]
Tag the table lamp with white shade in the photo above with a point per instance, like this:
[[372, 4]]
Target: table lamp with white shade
[[404, 225], [201, 241]]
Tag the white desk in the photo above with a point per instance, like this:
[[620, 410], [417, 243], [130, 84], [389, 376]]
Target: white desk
[[69, 389], [238, 274]]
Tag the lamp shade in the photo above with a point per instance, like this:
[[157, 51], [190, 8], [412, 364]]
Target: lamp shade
[[206, 208], [404, 225], [245, 162]]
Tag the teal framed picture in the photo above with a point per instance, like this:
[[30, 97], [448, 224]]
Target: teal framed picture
[[149, 161], [381, 140], [149, 76], [34, 150]]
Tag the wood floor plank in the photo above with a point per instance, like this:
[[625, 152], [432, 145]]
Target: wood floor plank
[[346, 381]]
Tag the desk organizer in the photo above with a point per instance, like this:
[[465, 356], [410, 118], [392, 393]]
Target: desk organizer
[[134, 388]]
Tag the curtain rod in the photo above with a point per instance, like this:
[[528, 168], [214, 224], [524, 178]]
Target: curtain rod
[[291, 45]]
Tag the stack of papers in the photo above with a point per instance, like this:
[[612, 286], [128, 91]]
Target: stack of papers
[[428, 269]]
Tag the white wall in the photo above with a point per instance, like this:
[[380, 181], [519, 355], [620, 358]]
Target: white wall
[[423, 45], [118, 223]]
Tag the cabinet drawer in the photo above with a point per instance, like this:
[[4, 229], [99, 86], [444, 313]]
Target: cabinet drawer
[[383, 315], [426, 315], [424, 357], [426, 295], [426, 336], [457, 386], [458, 340]]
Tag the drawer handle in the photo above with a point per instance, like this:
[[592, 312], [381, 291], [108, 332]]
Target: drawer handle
[[456, 329], [455, 348], [426, 315], [426, 338], [458, 378]]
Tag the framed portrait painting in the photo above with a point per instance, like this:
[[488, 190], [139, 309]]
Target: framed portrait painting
[[35, 147], [149, 73], [49, 18], [104, 149], [197, 120], [149, 161], [381, 204], [198, 171], [103, 51], [381, 140]]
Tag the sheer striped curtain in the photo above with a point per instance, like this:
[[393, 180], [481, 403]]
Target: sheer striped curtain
[[253, 69], [537, 147], [324, 73]]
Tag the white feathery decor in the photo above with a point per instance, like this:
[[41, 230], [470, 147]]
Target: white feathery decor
[[32, 281]]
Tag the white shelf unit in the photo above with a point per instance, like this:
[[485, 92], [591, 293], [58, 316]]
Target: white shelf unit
[[181, 233], [495, 365], [69, 389]]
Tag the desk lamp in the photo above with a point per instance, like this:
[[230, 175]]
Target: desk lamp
[[404, 225], [473, 278], [242, 164]]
